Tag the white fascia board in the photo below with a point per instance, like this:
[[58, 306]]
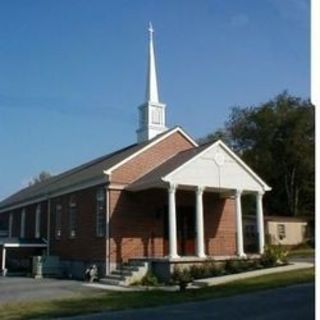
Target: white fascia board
[[57, 193], [167, 178], [24, 245], [177, 129]]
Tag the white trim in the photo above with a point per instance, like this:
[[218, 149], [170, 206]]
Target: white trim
[[231, 153], [26, 245], [149, 145]]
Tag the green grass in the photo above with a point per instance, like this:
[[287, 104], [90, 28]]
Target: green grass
[[301, 253], [98, 302]]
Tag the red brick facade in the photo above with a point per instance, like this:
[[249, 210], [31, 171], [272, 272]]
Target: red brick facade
[[85, 245], [137, 220], [151, 158]]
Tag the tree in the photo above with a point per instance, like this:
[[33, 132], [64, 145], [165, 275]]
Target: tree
[[277, 140], [42, 176]]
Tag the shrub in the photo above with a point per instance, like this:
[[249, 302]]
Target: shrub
[[233, 266], [149, 280], [181, 278], [274, 255], [197, 272], [215, 270]]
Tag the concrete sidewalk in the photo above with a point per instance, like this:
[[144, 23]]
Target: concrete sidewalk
[[250, 274]]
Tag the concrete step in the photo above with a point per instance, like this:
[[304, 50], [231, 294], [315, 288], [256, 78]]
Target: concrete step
[[122, 272], [113, 282], [128, 267], [138, 263]]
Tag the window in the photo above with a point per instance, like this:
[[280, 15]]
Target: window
[[10, 224], [58, 218], [101, 212], [23, 223], [72, 216], [37, 221], [281, 231]]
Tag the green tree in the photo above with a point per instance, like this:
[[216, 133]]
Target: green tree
[[42, 176], [277, 140]]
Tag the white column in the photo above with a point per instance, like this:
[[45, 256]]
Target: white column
[[172, 222], [260, 221], [3, 262], [199, 223], [240, 251]]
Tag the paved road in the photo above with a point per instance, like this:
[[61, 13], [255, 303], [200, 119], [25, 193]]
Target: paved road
[[294, 303], [14, 289]]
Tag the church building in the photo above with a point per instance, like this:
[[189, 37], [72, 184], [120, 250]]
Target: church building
[[164, 200]]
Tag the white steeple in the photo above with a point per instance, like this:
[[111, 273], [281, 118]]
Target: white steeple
[[152, 112], [152, 85]]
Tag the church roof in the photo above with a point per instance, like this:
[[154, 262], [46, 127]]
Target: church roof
[[89, 174]]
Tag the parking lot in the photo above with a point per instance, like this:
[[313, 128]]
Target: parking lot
[[19, 289]]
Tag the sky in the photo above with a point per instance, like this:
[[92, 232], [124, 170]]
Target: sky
[[72, 72]]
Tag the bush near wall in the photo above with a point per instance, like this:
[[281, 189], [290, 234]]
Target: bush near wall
[[275, 255]]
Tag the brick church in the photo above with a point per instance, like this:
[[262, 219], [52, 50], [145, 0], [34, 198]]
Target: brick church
[[163, 199]]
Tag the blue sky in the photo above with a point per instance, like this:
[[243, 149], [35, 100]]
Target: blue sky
[[72, 72]]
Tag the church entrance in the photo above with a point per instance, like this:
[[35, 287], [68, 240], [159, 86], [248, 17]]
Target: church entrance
[[186, 230]]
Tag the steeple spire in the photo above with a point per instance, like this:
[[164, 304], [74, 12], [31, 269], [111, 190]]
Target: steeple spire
[[152, 85], [152, 117]]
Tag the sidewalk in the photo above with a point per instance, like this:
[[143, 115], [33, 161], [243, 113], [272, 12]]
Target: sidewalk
[[250, 274]]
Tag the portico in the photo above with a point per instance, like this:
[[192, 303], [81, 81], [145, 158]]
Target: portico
[[199, 222], [213, 170]]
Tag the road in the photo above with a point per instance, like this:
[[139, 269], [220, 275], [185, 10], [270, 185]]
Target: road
[[294, 303]]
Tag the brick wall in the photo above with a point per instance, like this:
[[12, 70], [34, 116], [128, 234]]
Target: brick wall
[[151, 158], [136, 224], [85, 245], [219, 221]]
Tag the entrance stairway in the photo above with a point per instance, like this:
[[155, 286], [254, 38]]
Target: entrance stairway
[[127, 273]]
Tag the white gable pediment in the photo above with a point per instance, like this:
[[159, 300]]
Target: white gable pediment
[[217, 167]]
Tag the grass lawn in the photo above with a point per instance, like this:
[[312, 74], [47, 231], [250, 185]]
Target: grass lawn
[[124, 300], [301, 253]]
